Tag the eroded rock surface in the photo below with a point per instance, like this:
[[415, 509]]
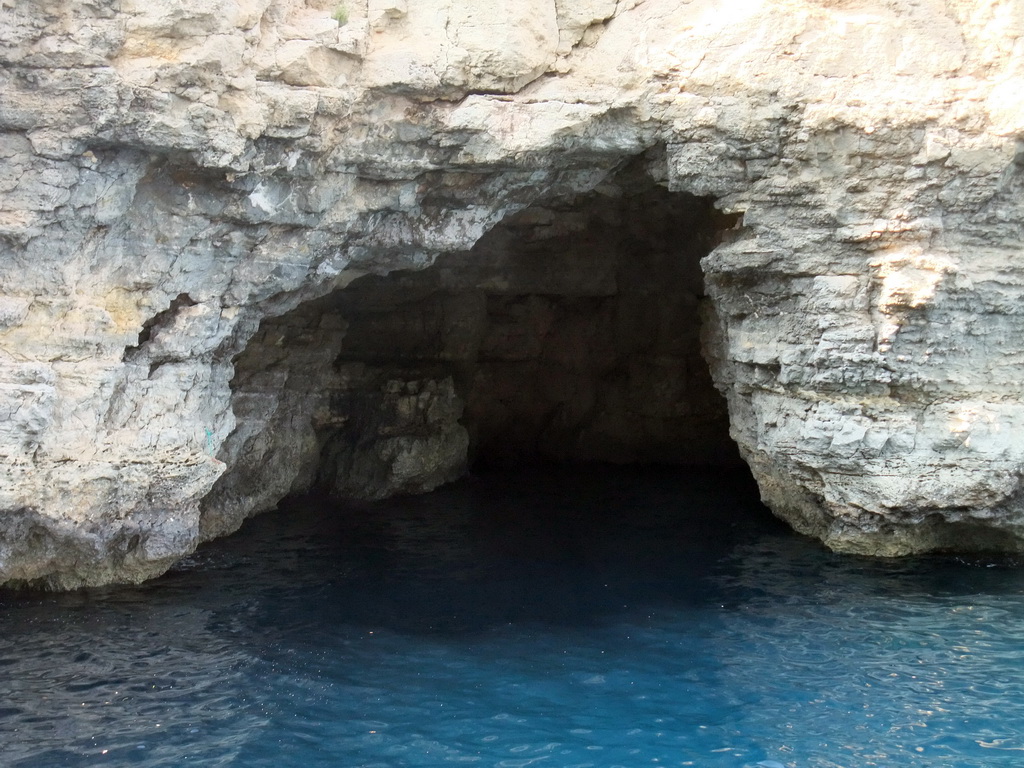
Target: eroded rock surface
[[174, 172]]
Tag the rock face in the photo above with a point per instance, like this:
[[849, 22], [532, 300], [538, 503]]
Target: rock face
[[203, 206]]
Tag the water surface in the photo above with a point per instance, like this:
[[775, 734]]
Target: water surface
[[571, 618]]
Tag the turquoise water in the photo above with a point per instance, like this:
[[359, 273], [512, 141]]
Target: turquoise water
[[588, 618]]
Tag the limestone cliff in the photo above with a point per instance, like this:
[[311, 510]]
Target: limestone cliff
[[196, 198]]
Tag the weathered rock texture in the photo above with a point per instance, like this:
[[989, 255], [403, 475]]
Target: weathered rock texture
[[175, 172]]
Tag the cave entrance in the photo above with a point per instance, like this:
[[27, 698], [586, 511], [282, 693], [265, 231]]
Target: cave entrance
[[570, 333]]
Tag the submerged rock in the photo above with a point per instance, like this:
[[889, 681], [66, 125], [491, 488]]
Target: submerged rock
[[180, 179]]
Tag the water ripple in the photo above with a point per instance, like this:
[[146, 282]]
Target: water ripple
[[610, 619]]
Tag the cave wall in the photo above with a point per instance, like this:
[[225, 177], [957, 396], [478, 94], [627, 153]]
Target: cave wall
[[569, 332], [572, 328], [254, 156]]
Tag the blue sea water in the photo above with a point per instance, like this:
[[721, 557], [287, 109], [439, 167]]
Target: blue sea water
[[602, 618]]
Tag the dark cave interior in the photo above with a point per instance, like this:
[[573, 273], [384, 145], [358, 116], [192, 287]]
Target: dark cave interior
[[569, 333]]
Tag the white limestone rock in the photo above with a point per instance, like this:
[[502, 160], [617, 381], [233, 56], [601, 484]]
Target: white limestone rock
[[866, 324]]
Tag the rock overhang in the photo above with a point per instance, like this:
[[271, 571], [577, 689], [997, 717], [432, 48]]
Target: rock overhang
[[257, 156]]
